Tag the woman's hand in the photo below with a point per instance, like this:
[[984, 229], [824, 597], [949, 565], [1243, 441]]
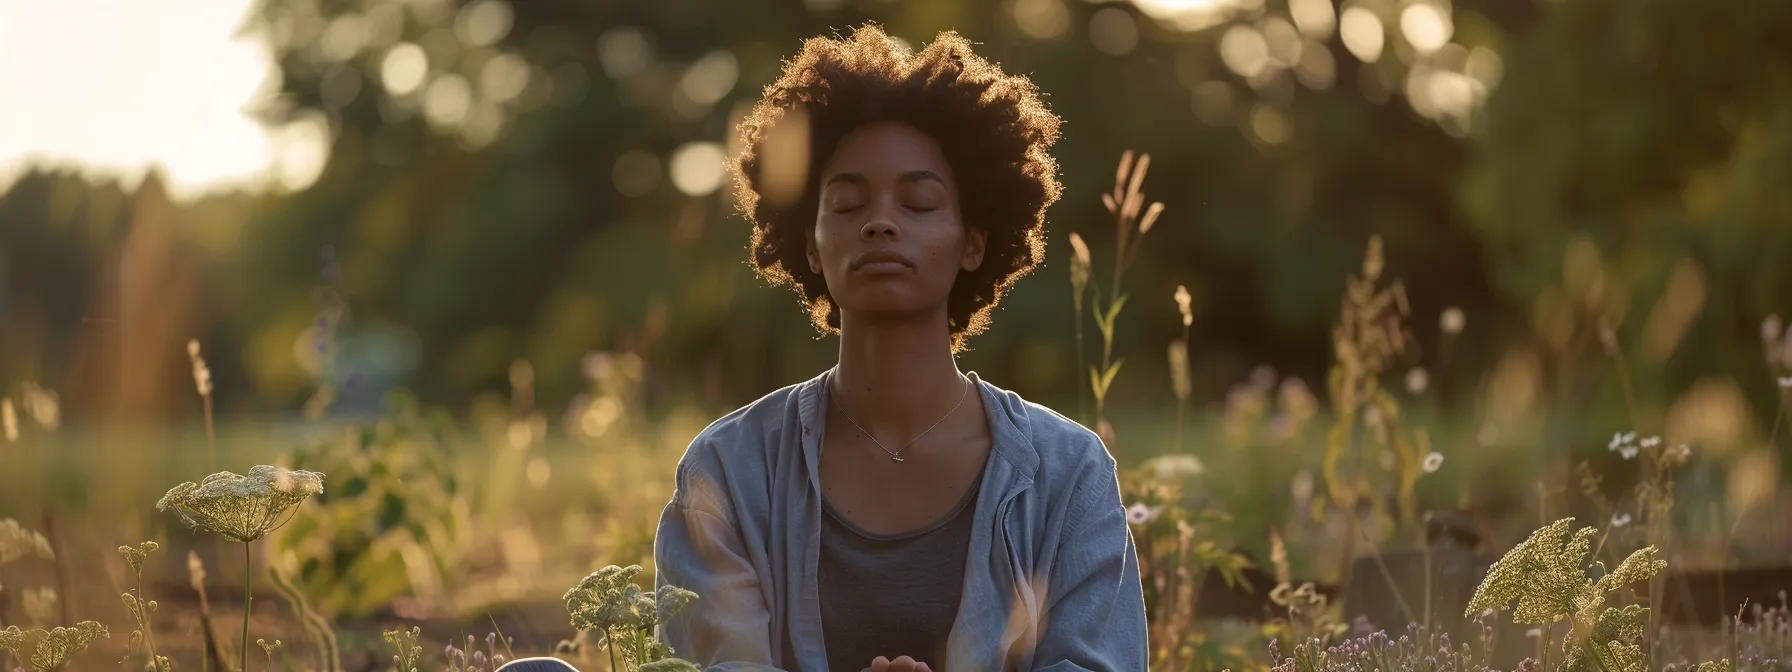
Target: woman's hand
[[902, 664]]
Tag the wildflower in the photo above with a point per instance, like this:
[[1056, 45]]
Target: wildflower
[[1417, 380], [1545, 575], [17, 542], [1620, 439], [49, 650], [1179, 378], [1620, 519], [1079, 262], [1681, 453], [1139, 514], [134, 556], [1608, 338], [1651, 441], [40, 605], [1786, 383], [1628, 452], [1452, 321], [242, 508], [202, 375], [608, 600], [1433, 461], [1183, 305], [1173, 467], [42, 405]]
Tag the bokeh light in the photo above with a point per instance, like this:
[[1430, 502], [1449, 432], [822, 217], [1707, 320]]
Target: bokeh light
[[1316, 69], [446, 101], [1193, 15], [503, 77], [698, 168], [1361, 31], [1269, 124], [710, 78], [1244, 51], [635, 173], [402, 71], [1113, 31], [1315, 18], [302, 151], [1041, 19], [624, 52], [344, 38], [484, 22], [1426, 26], [1283, 41]]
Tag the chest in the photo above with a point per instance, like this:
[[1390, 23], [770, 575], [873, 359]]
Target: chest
[[881, 496]]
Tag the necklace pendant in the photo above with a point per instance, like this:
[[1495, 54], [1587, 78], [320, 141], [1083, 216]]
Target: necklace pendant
[[896, 458]]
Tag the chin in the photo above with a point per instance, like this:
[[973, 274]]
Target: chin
[[879, 304]]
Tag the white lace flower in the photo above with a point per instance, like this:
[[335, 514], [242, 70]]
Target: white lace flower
[[242, 508], [1139, 514], [1620, 519], [1433, 461]]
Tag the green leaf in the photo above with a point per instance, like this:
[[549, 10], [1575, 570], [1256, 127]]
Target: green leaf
[[1114, 310], [1105, 380]]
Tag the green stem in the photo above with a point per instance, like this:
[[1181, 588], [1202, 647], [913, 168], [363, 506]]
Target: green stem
[[248, 587], [1082, 393], [149, 636]]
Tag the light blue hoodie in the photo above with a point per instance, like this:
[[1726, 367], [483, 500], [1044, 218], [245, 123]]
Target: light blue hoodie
[[1051, 581]]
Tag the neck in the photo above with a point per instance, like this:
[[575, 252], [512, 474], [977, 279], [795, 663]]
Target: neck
[[896, 377]]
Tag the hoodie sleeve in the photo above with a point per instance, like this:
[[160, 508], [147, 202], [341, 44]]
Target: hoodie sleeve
[[1095, 604], [699, 548]]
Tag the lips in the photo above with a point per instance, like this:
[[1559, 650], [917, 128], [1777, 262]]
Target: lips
[[884, 260]]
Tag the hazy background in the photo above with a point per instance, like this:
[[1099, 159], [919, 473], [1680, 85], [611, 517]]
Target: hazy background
[[498, 206]]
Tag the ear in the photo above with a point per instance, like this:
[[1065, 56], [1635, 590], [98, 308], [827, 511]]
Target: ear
[[975, 241], [809, 251]]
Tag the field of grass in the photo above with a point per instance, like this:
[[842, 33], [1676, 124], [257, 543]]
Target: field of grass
[[460, 524]]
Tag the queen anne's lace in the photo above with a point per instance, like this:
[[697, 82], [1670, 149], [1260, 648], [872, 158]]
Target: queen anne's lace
[[607, 601], [17, 542], [50, 650], [242, 508]]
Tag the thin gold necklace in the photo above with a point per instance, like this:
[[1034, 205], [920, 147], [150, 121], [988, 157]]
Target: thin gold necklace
[[896, 455]]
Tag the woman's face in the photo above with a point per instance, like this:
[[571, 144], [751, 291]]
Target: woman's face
[[889, 236]]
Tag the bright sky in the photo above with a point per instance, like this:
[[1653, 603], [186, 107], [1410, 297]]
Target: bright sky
[[115, 86]]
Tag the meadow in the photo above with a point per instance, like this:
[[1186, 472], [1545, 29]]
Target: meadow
[[1357, 522]]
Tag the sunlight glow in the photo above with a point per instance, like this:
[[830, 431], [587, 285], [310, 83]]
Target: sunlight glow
[[115, 86], [1426, 27], [698, 168], [1362, 33], [1189, 15]]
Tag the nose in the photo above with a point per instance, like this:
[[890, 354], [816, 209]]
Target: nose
[[880, 226]]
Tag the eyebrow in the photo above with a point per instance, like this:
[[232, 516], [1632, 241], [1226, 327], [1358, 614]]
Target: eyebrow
[[910, 176]]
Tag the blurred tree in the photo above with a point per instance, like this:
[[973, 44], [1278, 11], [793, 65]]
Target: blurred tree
[[529, 181], [1635, 164]]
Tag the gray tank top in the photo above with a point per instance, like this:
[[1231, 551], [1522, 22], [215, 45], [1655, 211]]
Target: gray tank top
[[892, 595]]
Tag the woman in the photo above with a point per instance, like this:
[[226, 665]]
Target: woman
[[892, 513]]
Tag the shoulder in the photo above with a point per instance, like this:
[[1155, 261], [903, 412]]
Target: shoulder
[[739, 445], [1073, 464]]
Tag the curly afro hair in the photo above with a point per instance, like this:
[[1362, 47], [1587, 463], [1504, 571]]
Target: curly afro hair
[[991, 126]]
